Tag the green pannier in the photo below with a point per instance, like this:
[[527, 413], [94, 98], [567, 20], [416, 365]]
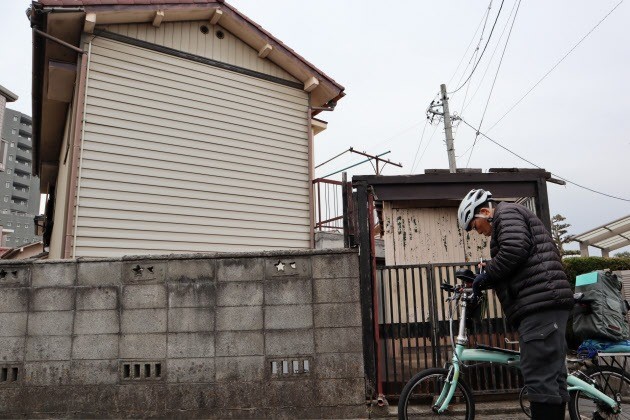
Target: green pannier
[[601, 314]]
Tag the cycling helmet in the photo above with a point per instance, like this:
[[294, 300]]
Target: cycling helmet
[[466, 210]]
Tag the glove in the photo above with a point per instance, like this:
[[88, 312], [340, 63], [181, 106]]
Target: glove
[[479, 284]]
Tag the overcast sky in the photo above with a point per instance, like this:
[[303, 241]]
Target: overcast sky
[[392, 57]]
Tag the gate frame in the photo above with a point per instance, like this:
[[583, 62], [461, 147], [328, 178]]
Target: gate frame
[[436, 187]]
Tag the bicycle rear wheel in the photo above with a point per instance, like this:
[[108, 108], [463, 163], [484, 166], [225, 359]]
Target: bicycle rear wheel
[[613, 382], [421, 392]]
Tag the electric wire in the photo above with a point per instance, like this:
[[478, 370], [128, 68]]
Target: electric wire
[[486, 14], [425, 148], [473, 57], [419, 144], [539, 167], [484, 49], [494, 51], [483, 115], [555, 65]]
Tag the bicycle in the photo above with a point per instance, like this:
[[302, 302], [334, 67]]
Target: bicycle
[[594, 394]]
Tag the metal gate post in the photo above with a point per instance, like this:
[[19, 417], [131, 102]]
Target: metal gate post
[[365, 276], [433, 315], [377, 342]]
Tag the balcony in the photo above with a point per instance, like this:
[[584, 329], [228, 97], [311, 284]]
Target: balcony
[[20, 193], [24, 154], [19, 206], [25, 140], [22, 177], [23, 166]]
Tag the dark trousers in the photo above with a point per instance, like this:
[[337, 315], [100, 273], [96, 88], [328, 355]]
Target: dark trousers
[[543, 351]]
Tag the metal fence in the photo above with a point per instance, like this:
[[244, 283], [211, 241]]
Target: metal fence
[[414, 329], [328, 204]]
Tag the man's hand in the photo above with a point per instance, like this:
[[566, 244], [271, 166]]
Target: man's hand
[[479, 284]]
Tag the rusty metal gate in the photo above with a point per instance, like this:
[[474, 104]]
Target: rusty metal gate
[[413, 329]]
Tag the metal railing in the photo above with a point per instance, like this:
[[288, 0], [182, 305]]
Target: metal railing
[[414, 329], [328, 204]]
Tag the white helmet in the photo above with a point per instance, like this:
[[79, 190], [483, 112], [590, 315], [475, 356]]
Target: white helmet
[[466, 210]]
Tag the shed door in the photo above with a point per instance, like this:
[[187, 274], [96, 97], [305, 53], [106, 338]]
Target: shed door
[[180, 156]]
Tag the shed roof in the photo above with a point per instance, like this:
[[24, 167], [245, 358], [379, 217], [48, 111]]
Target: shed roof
[[611, 236]]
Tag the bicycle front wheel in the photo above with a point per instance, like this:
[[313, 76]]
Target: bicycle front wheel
[[613, 382], [422, 391]]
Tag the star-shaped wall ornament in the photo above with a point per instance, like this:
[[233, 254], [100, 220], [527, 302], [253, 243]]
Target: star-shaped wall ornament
[[279, 266]]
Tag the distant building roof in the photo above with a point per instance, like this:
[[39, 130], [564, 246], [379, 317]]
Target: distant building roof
[[611, 236], [11, 97]]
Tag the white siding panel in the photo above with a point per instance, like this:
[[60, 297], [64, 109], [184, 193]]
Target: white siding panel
[[135, 57], [187, 36], [182, 157], [106, 206]]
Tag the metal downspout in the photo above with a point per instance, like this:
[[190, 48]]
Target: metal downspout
[[75, 206]]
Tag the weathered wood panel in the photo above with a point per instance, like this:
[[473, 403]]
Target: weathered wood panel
[[429, 235]]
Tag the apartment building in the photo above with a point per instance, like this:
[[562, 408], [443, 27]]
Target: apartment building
[[19, 190]]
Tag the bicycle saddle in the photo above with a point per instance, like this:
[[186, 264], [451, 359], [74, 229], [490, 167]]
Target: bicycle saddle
[[466, 275]]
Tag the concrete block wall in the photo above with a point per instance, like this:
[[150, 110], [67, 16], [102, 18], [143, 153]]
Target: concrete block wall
[[275, 334]]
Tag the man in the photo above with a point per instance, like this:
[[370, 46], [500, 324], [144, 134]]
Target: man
[[526, 273]]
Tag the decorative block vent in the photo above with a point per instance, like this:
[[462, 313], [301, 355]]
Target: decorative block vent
[[132, 371], [290, 367], [10, 374]]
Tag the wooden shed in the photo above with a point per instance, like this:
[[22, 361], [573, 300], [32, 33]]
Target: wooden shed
[[419, 212], [166, 127]]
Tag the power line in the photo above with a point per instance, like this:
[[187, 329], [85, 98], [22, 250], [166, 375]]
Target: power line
[[419, 143], [425, 148], [539, 167], [486, 14], [473, 57], [555, 65], [494, 82], [494, 51], [484, 49]]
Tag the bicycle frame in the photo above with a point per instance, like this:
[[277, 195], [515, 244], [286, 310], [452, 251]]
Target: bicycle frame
[[463, 354]]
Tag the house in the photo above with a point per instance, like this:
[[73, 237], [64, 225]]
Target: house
[[33, 250], [170, 127]]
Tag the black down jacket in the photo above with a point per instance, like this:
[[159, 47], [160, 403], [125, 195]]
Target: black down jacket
[[525, 269]]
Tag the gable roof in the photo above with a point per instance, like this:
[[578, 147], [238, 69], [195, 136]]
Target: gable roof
[[113, 11], [66, 20]]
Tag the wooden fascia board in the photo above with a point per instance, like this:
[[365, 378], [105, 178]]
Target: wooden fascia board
[[238, 25]]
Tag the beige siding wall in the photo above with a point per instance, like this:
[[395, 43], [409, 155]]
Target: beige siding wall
[[429, 235], [183, 157], [187, 37]]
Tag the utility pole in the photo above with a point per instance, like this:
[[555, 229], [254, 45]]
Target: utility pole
[[448, 130]]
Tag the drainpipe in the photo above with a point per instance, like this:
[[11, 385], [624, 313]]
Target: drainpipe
[[311, 174], [70, 225]]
